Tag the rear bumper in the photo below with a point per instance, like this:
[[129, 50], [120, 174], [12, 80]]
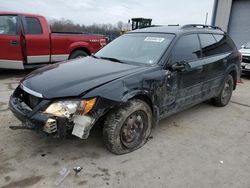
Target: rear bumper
[[11, 64], [244, 69]]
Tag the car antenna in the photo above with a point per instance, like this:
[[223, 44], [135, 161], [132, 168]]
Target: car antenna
[[206, 18]]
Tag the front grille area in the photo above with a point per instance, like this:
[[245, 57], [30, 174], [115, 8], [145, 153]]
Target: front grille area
[[246, 59], [30, 100]]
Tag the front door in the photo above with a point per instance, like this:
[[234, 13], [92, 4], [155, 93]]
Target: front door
[[10, 42], [185, 87]]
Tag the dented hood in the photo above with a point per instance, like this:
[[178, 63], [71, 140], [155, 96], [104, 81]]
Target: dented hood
[[73, 78]]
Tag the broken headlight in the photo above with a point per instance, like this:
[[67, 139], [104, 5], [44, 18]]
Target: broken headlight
[[69, 108]]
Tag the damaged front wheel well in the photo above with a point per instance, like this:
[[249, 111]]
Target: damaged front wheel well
[[155, 111], [145, 99]]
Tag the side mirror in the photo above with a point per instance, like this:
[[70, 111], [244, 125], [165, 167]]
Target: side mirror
[[243, 46], [181, 66]]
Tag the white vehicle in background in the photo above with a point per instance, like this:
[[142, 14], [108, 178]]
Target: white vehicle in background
[[245, 64]]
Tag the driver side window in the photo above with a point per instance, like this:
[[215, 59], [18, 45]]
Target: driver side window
[[8, 25], [186, 49]]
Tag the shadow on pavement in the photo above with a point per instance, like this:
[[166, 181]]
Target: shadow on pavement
[[7, 73], [245, 76]]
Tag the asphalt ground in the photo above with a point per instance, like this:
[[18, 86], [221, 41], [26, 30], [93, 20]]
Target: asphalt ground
[[204, 146]]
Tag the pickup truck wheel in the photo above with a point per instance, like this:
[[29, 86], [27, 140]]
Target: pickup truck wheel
[[128, 127], [225, 94], [78, 54]]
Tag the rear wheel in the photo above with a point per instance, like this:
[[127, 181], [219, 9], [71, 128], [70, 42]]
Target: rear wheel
[[225, 94], [78, 54], [128, 128]]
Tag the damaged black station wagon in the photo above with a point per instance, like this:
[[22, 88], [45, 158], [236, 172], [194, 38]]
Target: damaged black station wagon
[[130, 84]]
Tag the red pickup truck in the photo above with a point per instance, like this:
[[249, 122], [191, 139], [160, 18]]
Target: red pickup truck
[[26, 41]]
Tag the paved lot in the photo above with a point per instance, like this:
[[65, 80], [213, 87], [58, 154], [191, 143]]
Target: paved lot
[[204, 146]]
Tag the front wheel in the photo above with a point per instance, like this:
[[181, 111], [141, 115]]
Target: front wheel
[[128, 128], [225, 94], [78, 54]]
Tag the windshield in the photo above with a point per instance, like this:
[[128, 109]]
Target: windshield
[[247, 45], [144, 48]]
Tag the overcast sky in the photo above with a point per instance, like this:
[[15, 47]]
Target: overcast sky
[[112, 11]]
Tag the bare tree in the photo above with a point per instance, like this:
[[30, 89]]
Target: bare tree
[[112, 31], [120, 25]]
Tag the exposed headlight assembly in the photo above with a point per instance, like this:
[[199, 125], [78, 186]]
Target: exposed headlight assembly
[[69, 108]]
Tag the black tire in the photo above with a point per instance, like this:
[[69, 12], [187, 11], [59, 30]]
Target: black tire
[[226, 92], [78, 54], [117, 122]]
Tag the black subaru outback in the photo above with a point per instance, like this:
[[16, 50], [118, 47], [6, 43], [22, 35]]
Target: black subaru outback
[[129, 85]]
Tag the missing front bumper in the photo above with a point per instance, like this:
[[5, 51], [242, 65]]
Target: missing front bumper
[[82, 126], [77, 125]]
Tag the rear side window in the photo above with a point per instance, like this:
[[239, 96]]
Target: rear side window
[[224, 43], [208, 44], [186, 49], [8, 25], [33, 26]]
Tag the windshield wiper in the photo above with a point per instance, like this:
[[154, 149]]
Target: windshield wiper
[[108, 58], [94, 56]]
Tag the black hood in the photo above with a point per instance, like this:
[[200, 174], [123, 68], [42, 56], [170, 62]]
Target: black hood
[[73, 78]]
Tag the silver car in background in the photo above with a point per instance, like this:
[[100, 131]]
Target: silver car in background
[[245, 64]]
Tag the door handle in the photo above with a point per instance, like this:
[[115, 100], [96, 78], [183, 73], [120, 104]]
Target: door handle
[[14, 43]]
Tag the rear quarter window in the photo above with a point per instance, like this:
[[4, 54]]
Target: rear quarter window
[[33, 26], [214, 44], [224, 43]]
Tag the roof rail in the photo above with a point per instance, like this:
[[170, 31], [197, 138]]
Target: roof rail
[[189, 26], [173, 24], [150, 26]]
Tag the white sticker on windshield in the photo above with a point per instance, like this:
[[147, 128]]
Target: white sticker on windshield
[[154, 39]]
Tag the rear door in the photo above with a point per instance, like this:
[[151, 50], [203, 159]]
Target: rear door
[[216, 53], [37, 40], [10, 42], [185, 87]]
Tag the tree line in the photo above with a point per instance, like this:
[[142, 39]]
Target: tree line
[[110, 30]]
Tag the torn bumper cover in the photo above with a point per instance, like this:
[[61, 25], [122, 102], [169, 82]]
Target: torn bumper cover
[[36, 119], [29, 119]]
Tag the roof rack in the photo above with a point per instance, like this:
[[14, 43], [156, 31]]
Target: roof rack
[[173, 24], [151, 26], [189, 26]]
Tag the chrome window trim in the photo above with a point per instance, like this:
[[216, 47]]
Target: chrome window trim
[[31, 91]]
